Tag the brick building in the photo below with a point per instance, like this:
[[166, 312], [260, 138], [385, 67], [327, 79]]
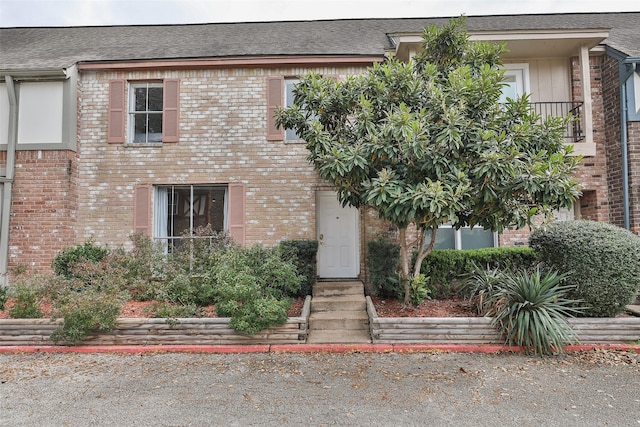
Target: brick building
[[105, 131]]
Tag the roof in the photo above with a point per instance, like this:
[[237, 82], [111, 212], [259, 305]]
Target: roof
[[61, 47]]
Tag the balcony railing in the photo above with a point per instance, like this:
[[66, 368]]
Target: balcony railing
[[574, 131]]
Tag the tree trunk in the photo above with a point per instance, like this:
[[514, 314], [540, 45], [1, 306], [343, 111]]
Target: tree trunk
[[405, 258]]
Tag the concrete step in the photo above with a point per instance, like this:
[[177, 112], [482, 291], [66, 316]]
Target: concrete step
[[338, 337], [338, 303], [323, 289], [347, 320]]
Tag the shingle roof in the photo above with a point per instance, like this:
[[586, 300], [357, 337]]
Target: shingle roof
[[60, 47]]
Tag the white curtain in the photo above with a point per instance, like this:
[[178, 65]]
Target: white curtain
[[161, 217], [225, 215]]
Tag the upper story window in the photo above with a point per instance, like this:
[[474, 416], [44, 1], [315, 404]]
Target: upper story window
[[289, 83], [149, 114], [145, 112]]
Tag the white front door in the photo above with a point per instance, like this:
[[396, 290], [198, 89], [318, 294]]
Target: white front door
[[339, 252]]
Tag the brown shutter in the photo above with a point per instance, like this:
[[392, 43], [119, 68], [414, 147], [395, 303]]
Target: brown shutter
[[115, 125], [142, 209], [170, 110], [236, 212], [274, 100]]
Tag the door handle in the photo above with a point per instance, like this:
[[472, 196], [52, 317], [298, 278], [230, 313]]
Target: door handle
[[321, 238]]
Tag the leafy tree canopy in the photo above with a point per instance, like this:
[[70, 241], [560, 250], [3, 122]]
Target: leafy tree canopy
[[427, 142]]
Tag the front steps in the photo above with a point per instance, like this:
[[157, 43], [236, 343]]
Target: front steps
[[338, 314]]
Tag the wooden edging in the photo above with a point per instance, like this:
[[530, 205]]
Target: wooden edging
[[478, 330], [154, 331]]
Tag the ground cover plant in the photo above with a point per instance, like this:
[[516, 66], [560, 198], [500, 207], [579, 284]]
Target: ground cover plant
[[253, 286]]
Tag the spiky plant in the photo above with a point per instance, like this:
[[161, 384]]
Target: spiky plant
[[531, 310]]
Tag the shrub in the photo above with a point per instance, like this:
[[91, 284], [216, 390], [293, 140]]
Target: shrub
[[65, 260], [303, 254], [530, 310], [89, 300], [480, 286], [27, 295], [419, 289], [252, 287], [4, 295], [86, 312], [604, 261], [383, 261], [172, 311], [447, 267]]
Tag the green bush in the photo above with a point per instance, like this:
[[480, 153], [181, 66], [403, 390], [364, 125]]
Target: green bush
[[173, 311], [27, 295], [90, 299], [447, 267], [4, 295], [604, 262], [303, 254], [252, 286], [530, 310], [383, 263], [86, 312], [65, 260]]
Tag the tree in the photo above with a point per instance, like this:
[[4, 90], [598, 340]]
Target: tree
[[427, 142]]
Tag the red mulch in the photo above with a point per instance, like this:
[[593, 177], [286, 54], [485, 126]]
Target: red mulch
[[452, 307], [133, 309]]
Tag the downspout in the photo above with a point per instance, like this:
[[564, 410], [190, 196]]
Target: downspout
[[624, 138], [7, 180]]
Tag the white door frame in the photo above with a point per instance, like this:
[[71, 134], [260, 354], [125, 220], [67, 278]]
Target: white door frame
[[338, 233]]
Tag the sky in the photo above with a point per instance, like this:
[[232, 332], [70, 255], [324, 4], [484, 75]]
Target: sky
[[29, 13]]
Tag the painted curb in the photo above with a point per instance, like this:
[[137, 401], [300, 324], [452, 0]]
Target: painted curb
[[306, 348]]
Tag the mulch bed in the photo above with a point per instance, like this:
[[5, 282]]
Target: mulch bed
[[140, 309]]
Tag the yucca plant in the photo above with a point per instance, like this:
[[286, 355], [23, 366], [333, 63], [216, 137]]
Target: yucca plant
[[530, 310], [481, 285]]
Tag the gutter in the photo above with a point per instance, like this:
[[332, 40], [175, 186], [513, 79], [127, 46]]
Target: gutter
[[627, 69], [7, 180]]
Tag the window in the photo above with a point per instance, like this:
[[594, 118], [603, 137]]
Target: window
[[279, 94], [166, 212], [145, 112], [464, 238], [180, 210], [289, 83], [516, 80], [149, 114]]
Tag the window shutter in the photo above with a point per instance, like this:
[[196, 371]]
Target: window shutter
[[142, 209], [274, 100], [116, 119], [170, 110], [236, 212]]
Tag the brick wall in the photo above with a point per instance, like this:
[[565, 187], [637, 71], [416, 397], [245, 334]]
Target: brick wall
[[222, 140], [42, 207]]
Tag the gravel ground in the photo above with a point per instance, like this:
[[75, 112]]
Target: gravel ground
[[596, 388]]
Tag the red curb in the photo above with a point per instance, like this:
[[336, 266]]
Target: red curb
[[332, 348]]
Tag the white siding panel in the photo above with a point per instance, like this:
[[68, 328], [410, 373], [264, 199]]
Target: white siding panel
[[40, 113]]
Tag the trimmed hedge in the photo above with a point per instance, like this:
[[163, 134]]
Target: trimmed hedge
[[383, 259], [303, 254], [604, 262], [445, 266]]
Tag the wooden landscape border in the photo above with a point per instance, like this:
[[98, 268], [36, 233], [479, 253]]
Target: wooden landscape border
[[478, 330], [144, 331]]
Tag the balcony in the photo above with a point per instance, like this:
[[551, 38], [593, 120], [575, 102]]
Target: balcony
[[574, 132]]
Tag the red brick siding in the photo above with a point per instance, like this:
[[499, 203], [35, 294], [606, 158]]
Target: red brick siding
[[42, 208]]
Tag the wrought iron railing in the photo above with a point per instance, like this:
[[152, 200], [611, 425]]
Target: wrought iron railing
[[575, 130]]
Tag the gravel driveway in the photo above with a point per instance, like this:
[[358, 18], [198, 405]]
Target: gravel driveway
[[596, 388]]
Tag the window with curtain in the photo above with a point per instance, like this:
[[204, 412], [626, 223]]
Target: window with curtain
[[180, 210]]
